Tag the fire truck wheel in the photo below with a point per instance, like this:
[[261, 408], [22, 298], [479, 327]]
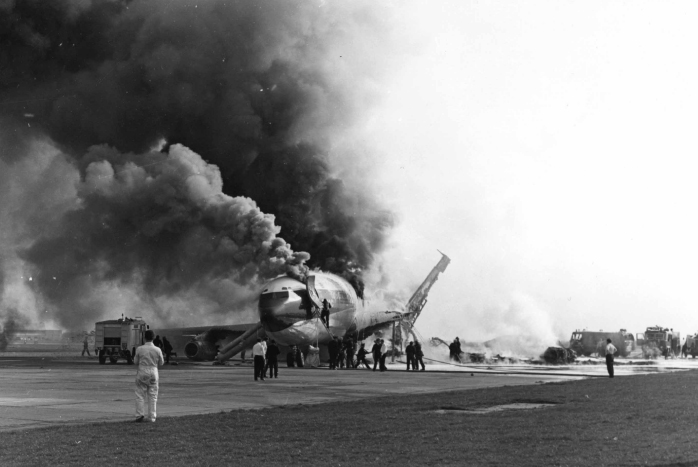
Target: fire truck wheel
[[102, 358]]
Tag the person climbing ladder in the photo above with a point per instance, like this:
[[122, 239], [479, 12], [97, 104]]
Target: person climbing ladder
[[325, 313]]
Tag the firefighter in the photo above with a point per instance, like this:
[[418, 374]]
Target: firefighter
[[333, 348], [409, 353], [167, 347], [291, 357], [418, 354], [361, 357], [349, 349], [376, 353], [342, 355], [299, 358]]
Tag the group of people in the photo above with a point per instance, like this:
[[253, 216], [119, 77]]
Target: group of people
[[294, 357], [266, 357], [341, 353], [455, 351], [164, 346], [414, 355]]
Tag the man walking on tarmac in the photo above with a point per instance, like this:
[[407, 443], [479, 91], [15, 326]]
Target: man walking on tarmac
[[610, 350], [85, 347], [147, 359]]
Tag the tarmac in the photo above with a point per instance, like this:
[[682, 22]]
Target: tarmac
[[40, 391]]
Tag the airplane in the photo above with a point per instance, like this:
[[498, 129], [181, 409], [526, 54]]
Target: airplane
[[288, 313]]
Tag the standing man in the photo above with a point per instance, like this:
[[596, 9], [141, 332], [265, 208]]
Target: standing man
[[384, 355], [258, 356], [299, 358], [272, 359], [265, 344], [376, 353], [325, 313], [333, 348], [157, 342], [148, 358], [167, 347], [342, 355], [418, 354], [349, 347], [85, 343], [291, 357], [610, 350], [409, 353]]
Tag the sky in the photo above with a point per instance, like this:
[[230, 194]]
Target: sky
[[547, 148]]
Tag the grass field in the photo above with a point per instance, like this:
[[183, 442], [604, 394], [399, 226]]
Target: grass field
[[633, 420]]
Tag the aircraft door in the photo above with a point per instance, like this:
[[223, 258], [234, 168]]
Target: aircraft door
[[312, 292]]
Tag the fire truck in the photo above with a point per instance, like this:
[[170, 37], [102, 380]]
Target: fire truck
[[692, 345], [118, 338], [658, 340], [591, 342]]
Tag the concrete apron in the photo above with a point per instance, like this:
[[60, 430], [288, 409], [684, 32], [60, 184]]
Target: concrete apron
[[53, 393]]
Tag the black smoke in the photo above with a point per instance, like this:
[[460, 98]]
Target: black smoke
[[257, 89]]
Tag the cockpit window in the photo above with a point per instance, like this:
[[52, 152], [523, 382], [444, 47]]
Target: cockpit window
[[267, 299]]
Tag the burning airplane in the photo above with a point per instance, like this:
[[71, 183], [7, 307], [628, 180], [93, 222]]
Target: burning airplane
[[288, 313]]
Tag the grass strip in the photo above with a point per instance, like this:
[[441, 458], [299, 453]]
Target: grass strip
[[632, 420]]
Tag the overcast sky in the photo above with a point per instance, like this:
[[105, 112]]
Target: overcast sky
[[549, 149], [546, 147]]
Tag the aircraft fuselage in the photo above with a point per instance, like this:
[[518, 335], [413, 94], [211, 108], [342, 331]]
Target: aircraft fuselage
[[286, 314]]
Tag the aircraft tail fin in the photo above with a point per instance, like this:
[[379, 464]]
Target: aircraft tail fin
[[419, 298]]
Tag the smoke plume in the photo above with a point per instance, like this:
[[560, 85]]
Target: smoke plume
[[12, 323], [197, 144]]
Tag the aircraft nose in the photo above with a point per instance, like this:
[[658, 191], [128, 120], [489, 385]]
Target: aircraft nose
[[279, 310]]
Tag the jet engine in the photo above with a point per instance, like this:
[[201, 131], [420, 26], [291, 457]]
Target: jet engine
[[200, 350]]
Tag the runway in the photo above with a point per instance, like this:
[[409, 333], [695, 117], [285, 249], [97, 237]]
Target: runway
[[43, 391]]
